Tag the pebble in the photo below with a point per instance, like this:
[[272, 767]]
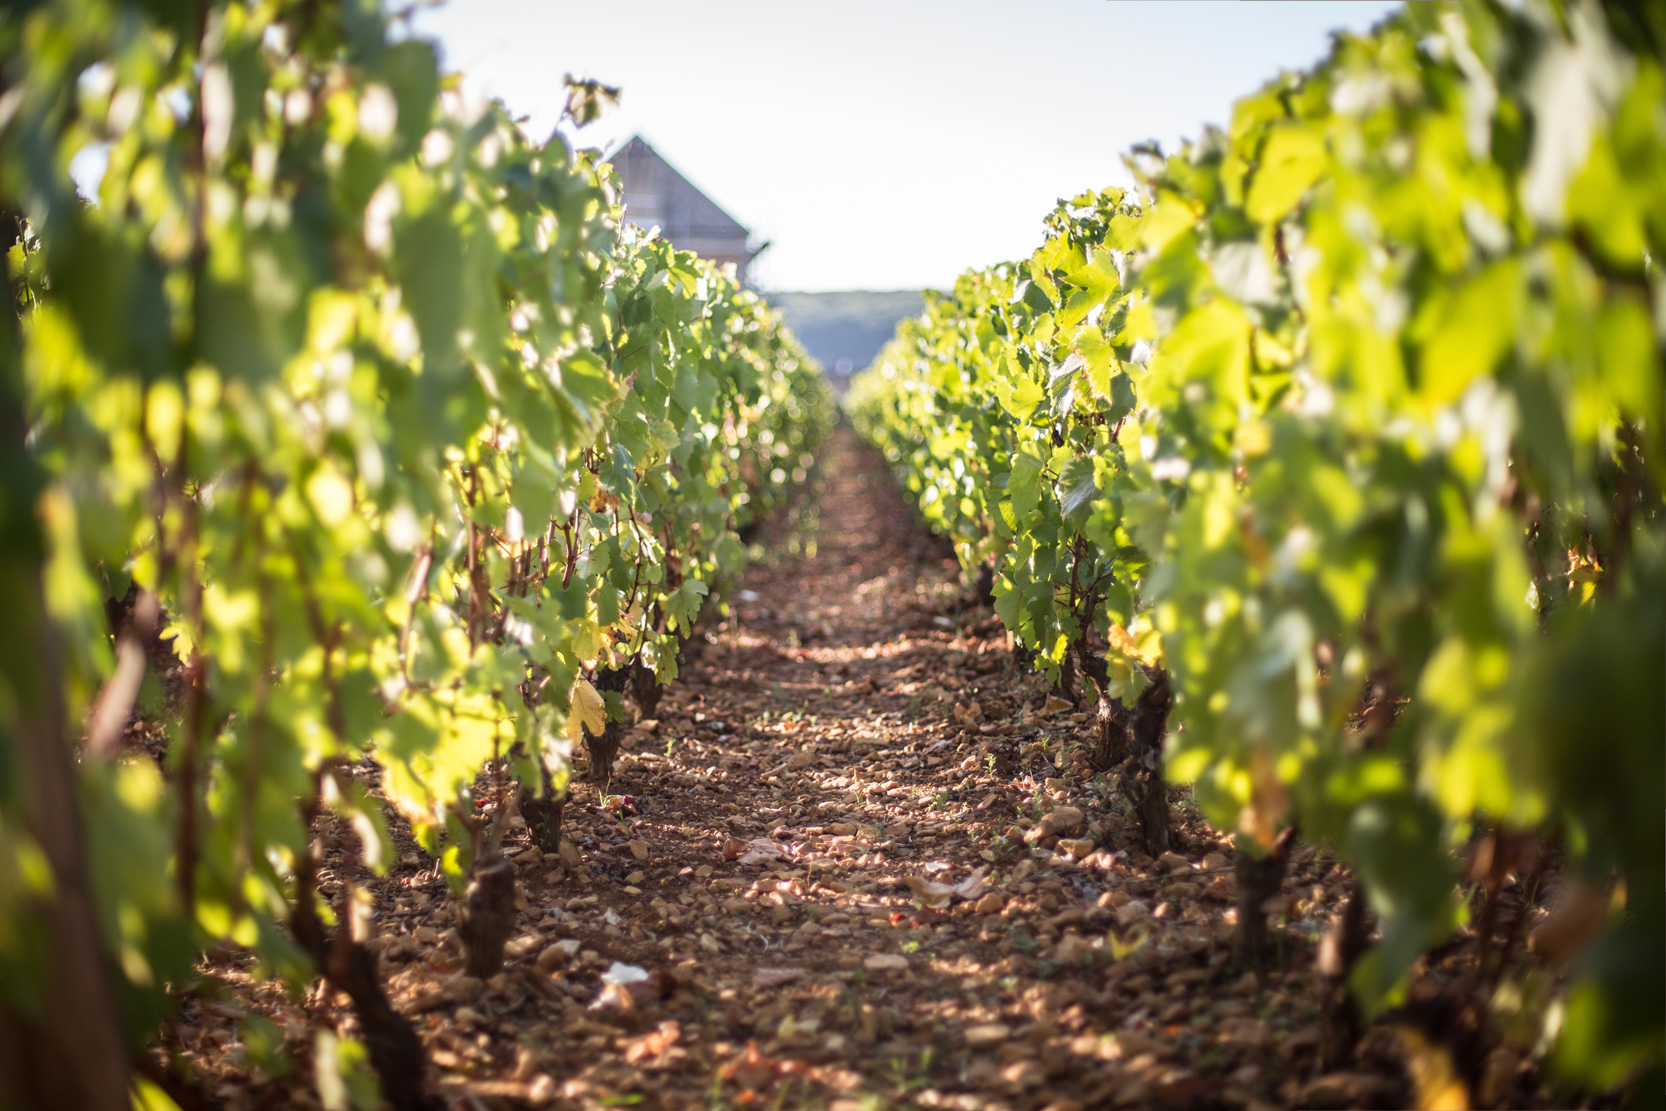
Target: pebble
[[1024, 1074], [987, 1035], [542, 1088], [522, 946], [1065, 819], [1132, 911], [464, 989], [1079, 849], [1073, 949], [886, 962]]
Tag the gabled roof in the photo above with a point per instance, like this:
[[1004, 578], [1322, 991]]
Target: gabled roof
[[684, 214]]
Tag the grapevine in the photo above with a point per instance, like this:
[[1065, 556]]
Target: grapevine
[[374, 412], [1344, 431]]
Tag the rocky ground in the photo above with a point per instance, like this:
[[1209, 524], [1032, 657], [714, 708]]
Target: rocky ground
[[856, 861]]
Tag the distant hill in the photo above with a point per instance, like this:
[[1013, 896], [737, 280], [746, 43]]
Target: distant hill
[[845, 330]]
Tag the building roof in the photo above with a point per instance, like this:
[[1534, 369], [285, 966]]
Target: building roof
[[656, 194]]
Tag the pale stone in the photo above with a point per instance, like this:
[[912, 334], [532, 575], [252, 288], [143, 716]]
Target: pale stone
[[569, 855], [542, 1088], [464, 989], [1073, 949], [1132, 911], [1065, 819], [1077, 848]]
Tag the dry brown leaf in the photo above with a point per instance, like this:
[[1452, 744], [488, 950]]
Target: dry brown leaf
[[761, 850], [1576, 919], [973, 885], [930, 894]]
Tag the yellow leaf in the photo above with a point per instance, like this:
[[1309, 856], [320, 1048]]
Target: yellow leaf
[[587, 640], [1434, 1077], [1125, 945], [1144, 644], [588, 712], [1269, 800]]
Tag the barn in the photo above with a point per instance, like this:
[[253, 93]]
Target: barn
[[655, 194]]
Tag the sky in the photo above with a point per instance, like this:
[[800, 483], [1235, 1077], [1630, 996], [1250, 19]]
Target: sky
[[887, 144]]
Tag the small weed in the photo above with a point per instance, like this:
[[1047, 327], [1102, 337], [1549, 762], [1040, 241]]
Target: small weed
[[910, 1078]]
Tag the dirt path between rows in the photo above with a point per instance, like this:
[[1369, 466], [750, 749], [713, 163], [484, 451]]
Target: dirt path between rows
[[862, 864]]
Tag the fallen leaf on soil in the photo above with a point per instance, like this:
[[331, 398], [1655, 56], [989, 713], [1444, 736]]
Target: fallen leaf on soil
[[930, 894], [761, 855], [939, 895], [759, 850], [973, 885], [1129, 941]]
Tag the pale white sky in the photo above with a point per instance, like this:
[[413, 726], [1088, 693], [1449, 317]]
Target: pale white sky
[[888, 144]]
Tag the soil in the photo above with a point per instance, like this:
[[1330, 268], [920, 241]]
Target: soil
[[860, 861]]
